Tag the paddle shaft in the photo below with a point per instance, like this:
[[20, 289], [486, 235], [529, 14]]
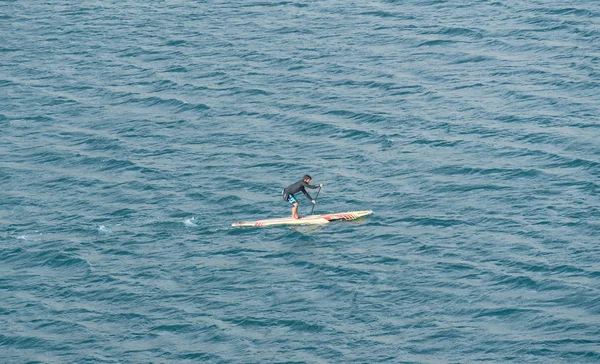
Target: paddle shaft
[[313, 208]]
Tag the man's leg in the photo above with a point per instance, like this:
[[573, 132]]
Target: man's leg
[[295, 211]]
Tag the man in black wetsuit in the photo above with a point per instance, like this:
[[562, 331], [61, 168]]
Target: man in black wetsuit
[[288, 193]]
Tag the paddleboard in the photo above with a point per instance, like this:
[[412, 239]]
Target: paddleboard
[[306, 220]]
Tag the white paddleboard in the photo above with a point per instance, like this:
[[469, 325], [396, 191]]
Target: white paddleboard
[[306, 220]]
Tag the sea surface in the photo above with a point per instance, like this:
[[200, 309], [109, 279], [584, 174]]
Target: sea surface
[[134, 132]]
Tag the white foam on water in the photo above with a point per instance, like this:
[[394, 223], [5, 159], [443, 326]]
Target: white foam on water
[[190, 222], [104, 230], [29, 236]]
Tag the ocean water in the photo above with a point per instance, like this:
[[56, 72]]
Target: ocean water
[[133, 133]]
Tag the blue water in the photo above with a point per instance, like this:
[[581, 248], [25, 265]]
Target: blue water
[[133, 133]]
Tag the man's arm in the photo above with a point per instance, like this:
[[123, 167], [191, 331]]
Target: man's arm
[[314, 186], [306, 194]]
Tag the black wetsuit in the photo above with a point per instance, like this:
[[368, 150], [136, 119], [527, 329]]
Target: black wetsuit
[[297, 187]]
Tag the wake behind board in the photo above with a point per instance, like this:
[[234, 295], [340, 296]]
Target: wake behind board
[[306, 220]]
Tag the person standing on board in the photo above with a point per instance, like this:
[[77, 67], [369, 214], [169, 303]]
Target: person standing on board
[[288, 193]]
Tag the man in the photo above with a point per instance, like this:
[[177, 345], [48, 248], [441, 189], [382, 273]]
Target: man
[[288, 193]]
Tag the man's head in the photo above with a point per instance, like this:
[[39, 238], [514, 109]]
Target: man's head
[[306, 178]]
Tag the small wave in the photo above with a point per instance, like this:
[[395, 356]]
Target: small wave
[[432, 221], [189, 222], [359, 116], [569, 11], [29, 237], [153, 101], [385, 86], [5, 83], [437, 42], [352, 134], [437, 143], [462, 32], [297, 325], [379, 14], [504, 312], [293, 30], [250, 92], [176, 42], [177, 69], [174, 328], [104, 230], [472, 59]]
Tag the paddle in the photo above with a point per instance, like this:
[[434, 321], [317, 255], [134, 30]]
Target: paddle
[[313, 208]]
